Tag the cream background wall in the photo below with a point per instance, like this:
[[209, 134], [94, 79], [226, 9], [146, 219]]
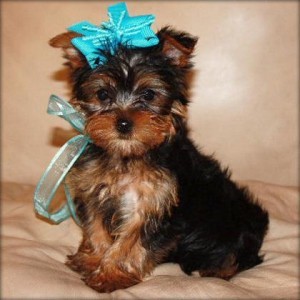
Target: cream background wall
[[244, 92]]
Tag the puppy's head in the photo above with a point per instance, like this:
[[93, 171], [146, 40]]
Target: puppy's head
[[137, 99]]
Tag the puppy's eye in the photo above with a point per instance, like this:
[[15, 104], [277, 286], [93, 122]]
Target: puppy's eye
[[102, 95], [148, 95]]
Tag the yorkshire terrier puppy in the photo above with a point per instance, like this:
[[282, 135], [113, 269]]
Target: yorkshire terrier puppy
[[144, 193]]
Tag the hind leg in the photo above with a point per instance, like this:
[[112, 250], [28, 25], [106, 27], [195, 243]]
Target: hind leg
[[215, 257], [226, 270], [222, 227], [209, 257]]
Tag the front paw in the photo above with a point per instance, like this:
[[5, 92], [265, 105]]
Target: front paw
[[83, 263], [106, 283]]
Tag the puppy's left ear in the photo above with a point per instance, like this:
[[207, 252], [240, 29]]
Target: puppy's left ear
[[178, 46]]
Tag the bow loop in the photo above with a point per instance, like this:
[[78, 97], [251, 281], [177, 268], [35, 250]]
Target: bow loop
[[63, 109], [61, 163]]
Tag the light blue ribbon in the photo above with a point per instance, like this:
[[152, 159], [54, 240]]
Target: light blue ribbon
[[61, 164], [120, 29]]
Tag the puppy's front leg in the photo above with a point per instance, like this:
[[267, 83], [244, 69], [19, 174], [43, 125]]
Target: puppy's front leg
[[125, 263], [94, 244]]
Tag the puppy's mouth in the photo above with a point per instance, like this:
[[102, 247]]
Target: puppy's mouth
[[129, 135]]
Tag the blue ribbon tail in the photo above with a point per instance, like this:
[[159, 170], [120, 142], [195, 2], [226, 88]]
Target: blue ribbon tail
[[54, 176]]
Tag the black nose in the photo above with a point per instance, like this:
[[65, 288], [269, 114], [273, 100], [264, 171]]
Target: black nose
[[124, 125]]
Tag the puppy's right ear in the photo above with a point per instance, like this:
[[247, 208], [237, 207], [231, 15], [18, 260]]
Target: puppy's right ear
[[74, 57]]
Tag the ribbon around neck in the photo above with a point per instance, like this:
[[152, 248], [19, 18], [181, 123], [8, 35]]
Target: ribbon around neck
[[120, 29], [61, 164]]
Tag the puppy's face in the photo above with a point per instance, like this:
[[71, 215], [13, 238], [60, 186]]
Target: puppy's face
[[134, 100]]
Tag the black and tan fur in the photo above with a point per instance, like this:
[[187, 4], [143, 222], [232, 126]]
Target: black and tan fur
[[143, 191]]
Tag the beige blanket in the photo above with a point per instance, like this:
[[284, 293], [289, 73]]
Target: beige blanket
[[33, 255]]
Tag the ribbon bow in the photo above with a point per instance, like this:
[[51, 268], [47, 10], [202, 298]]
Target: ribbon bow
[[61, 164], [120, 29]]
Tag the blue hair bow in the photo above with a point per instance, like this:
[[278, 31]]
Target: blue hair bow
[[120, 29]]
